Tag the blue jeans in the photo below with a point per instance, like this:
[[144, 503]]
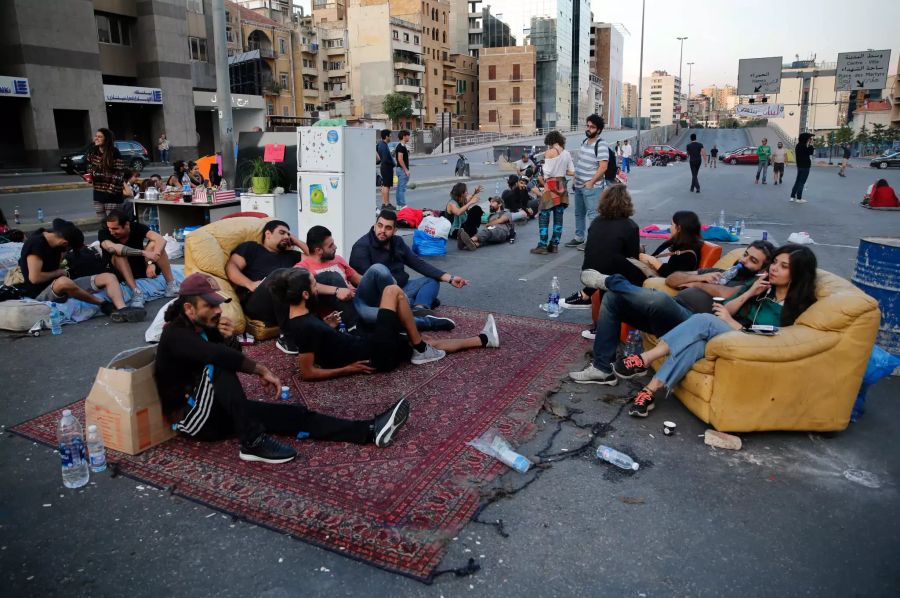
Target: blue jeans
[[797, 189], [762, 167], [164, 156], [544, 225], [402, 179], [586, 201], [422, 291], [368, 295], [626, 164], [687, 345], [646, 309]]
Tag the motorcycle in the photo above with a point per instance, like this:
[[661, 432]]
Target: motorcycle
[[462, 166]]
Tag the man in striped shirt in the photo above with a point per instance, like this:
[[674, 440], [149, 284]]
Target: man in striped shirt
[[590, 165]]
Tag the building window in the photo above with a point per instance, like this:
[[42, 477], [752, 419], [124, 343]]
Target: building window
[[270, 108], [516, 118], [229, 35], [113, 29], [397, 35], [492, 116], [492, 72], [406, 37], [282, 46], [195, 6], [492, 93], [285, 111], [198, 49], [516, 98], [416, 39], [284, 80]]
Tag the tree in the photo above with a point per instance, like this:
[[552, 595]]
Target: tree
[[879, 134], [844, 135], [862, 137], [397, 106]]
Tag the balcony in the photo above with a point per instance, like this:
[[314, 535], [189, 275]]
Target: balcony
[[335, 51], [310, 70], [515, 77], [338, 72], [448, 80], [408, 62], [396, 44], [335, 94], [309, 48], [312, 91], [404, 88], [263, 51]]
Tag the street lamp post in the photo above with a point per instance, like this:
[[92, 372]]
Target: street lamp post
[[690, 70], [637, 150], [680, 56]]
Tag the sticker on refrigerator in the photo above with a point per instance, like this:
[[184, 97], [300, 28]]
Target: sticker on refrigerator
[[333, 181], [332, 136], [318, 201]]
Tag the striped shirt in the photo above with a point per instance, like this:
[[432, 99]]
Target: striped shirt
[[587, 161]]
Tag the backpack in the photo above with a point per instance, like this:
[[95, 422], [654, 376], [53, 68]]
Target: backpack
[[611, 168]]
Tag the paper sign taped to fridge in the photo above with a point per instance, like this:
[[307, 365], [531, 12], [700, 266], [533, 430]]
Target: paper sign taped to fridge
[[274, 152]]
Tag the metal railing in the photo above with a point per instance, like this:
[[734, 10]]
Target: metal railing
[[464, 138]]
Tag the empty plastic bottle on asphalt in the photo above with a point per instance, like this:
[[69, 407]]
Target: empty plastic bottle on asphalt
[[729, 274], [620, 460], [721, 221], [75, 472], [740, 227], [553, 299], [40, 214], [55, 320], [96, 450]]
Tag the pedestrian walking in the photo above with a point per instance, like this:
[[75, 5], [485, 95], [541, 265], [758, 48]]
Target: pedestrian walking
[[627, 150], [779, 156], [696, 155], [107, 171], [845, 160], [713, 161], [163, 146], [386, 161], [802, 154], [763, 153]]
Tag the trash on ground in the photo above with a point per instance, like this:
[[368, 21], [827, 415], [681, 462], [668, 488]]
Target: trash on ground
[[633, 500], [620, 460], [669, 428], [722, 440], [801, 238], [493, 444]]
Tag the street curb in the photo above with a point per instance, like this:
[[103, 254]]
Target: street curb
[[85, 224], [451, 180], [43, 187]]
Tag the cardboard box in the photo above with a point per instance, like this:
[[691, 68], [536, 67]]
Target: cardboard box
[[125, 405]]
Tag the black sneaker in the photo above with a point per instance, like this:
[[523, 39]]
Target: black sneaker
[[642, 404], [421, 312], [266, 450], [128, 314], [629, 367], [437, 323], [107, 308], [576, 301], [286, 345], [387, 423], [574, 243]]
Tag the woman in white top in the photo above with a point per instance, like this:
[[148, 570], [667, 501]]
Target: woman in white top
[[558, 165], [163, 146]]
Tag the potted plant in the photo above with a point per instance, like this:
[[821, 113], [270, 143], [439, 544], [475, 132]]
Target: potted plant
[[260, 175]]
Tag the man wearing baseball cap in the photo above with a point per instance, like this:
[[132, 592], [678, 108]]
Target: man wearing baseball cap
[[47, 280], [197, 362]]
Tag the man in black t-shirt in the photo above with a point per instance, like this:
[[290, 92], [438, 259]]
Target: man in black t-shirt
[[386, 166], [401, 153], [521, 204], [123, 244], [696, 155], [252, 265], [324, 352], [46, 280]]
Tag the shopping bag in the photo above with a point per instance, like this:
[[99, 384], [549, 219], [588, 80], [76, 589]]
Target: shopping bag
[[435, 226], [426, 245]]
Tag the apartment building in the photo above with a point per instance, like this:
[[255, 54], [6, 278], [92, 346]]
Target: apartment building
[[806, 93], [333, 57], [629, 100], [719, 95], [660, 101], [506, 89], [595, 93], [465, 71], [309, 100], [607, 45]]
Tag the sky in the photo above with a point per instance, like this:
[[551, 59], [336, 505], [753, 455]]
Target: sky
[[721, 33]]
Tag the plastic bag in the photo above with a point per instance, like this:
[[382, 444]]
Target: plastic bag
[[174, 247], [424, 244], [493, 444], [800, 238], [435, 226], [156, 326], [881, 364]]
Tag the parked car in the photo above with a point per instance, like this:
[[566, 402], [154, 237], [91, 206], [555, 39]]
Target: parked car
[[665, 150], [884, 161], [741, 155], [135, 155]]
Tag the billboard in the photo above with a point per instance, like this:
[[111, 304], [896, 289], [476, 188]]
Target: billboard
[[862, 70], [760, 110], [759, 75]]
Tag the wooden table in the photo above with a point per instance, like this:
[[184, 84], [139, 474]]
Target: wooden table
[[174, 215]]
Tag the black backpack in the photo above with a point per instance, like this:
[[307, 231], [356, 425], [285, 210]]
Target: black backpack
[[611, 168]]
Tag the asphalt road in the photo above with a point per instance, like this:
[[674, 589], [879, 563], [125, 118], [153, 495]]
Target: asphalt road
[[778, 517]]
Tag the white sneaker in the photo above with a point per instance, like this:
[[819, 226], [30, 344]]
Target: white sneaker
[[490, 331], [591, 375], [137, 299], [172, 289], [427, 356], [593, 279], [793, 200], [800, 201], [588, 335]]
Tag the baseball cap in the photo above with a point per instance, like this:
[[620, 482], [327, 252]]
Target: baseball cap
[[205, 286]]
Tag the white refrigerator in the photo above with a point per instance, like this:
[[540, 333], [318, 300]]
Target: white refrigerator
[[336, 182]]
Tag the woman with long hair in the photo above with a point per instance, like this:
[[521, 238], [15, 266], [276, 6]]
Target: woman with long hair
[[107, 170], [881, 196], [681, 251], [463, 211], [176, 179], [558, 165], [195, 177], [775, 298]]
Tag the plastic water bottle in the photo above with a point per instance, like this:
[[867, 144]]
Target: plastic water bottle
[[55, 320], [497, 189], [729, 274], [740, 227], [17, 218], [75, 472], [285, 393], [553, 299], [620, 460], [40, 214], [96, 450], [721, 222], [186, 193]]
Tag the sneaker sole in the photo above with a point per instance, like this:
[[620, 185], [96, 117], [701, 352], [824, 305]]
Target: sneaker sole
[[588, 335], [285, 350], [440, 324], [132, 314], [611, 382], [257, 459], [650, 408], [467, 241], [573, 306], [385, 436], [621, 376], [415, 361]]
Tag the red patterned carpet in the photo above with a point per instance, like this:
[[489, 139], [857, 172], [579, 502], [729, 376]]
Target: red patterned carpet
[[394, 508]]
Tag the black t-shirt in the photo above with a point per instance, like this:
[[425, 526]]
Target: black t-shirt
[[714, 152], [608, 241], [37, 245], [330, 348], [261, 262], [693, 151], [683, 262], [401, 150], [384, 152], [135, 238], [515, 199], [846, 152]]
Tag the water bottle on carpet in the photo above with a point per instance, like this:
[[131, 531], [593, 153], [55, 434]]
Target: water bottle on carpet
[[620, 460], [75, 472], [721, 222], [96, 450]]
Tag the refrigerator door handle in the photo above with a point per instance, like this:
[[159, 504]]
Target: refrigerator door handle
[[299, 188]]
